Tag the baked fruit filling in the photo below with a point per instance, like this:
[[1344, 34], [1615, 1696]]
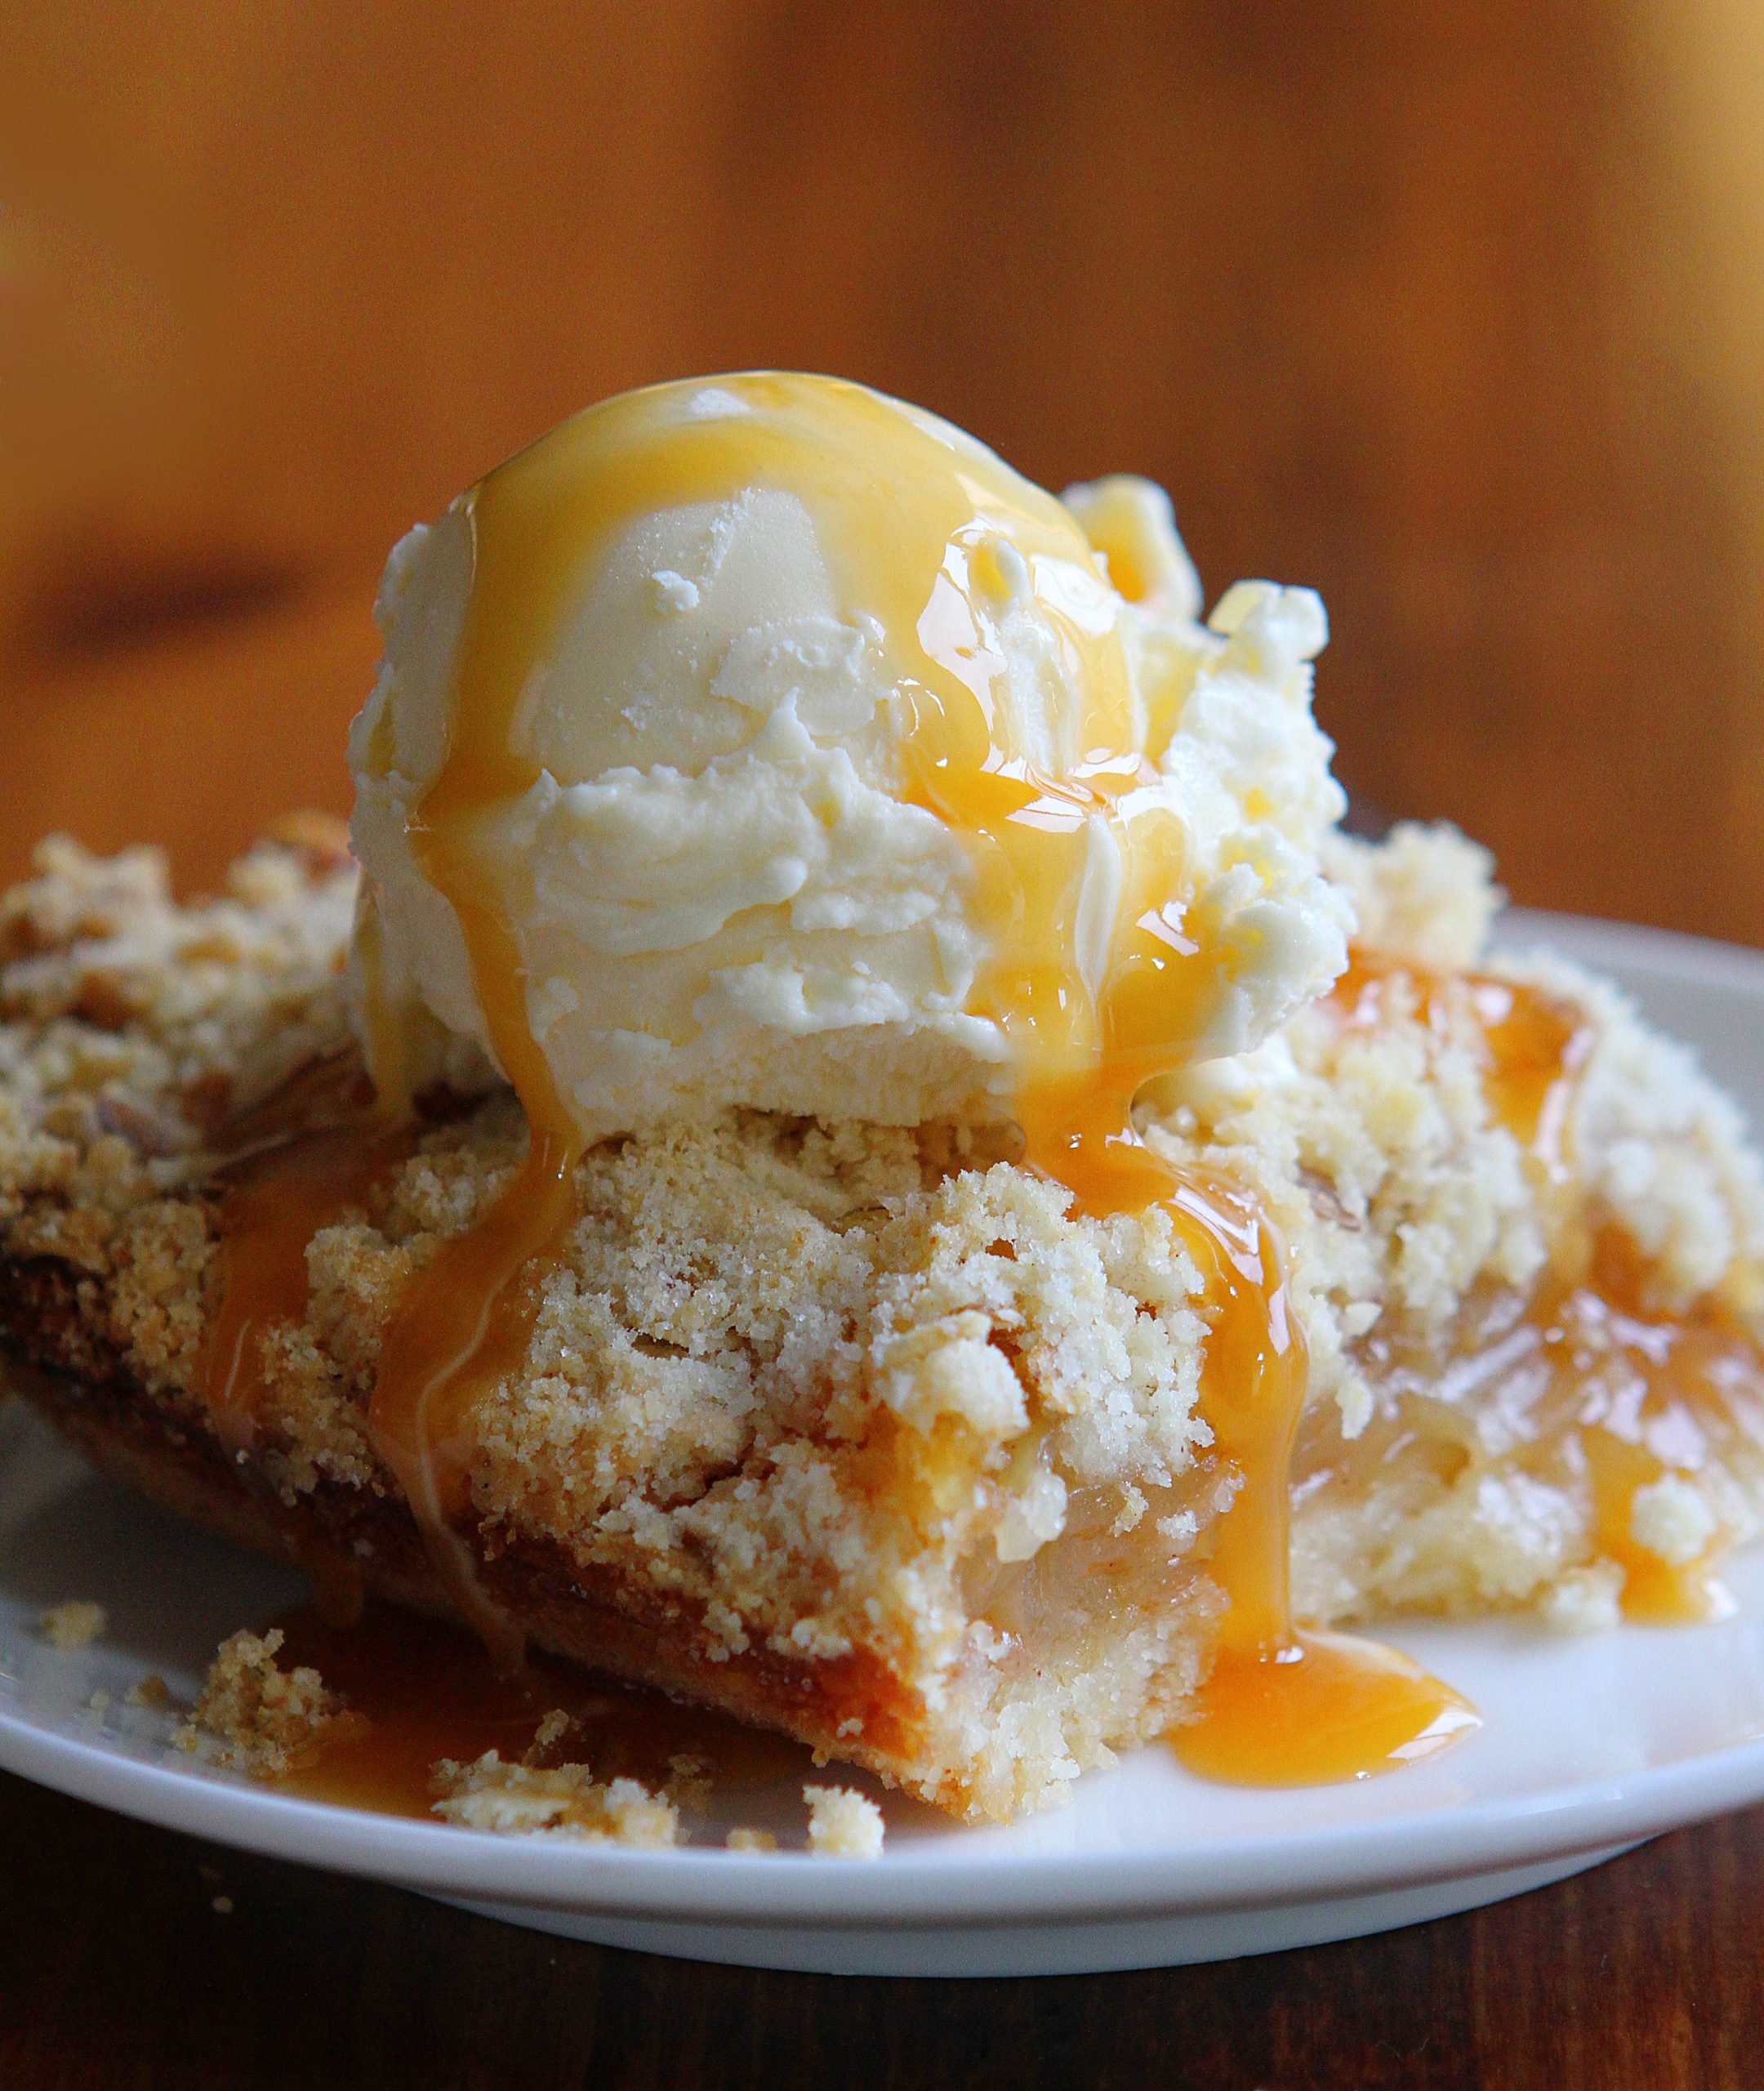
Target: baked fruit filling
[[1576, 1451], [883, 1437]]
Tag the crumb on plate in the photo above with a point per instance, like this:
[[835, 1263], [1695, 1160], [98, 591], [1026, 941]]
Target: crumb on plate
[[843, 1823], [75, 1624], [557, 1800], [265, 1720]]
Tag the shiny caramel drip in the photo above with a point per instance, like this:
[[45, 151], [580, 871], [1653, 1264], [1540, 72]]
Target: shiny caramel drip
[[304, 1159], [274, 1205], [387, 1044], [299, 1162], [1648, 1395], [1655, 1591], [465, 1321], [1282, 1706], [428, 1691], [1536, 1043], [1315, 1709]]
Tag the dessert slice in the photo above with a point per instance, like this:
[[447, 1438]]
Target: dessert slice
[[865, 1433], [848, 1172]]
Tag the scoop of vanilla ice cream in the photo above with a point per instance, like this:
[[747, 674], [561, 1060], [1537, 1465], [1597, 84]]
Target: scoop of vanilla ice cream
[[721, 887]]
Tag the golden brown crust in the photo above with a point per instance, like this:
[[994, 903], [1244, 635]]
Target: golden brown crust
[[349, 1534]]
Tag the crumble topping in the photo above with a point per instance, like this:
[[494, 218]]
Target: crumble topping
[[260, 1718], [555, 1800], [1425, 894], [1584, 1600], [74, 1624], [843, 1823], [1672, 1519], [162, 1019]]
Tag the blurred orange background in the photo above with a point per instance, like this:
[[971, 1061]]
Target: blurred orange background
[[1455, 312]]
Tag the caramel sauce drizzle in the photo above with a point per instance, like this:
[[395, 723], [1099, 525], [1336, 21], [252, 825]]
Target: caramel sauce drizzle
[[428, 1691], [299, 1162], [1676, 1383], [1283, 1706], [304, 1159], [1655, 1591]]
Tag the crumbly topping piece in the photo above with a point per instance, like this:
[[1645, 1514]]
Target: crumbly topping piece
[[550, 1731], [1673, 1520], [1425, 894], [260, 1718], [843, 1823], [555, 1800], [750, 1840], [1401, 1195], [74, 1624], [688, 1782], [151, 1691], [1661, 1150], [1584, 1600], [180, 1013]]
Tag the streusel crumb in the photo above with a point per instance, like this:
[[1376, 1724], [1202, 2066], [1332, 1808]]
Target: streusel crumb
[[258, 1718], [75, 1624], [843, 1823], [555, 1800]]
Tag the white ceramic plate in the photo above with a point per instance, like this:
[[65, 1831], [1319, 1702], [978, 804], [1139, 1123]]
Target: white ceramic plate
[[1587, 1745]]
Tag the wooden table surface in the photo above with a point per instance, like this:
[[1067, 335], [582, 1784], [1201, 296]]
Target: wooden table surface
[[117, 1970]]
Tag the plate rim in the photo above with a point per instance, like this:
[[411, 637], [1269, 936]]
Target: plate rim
[[1599, 939], [916, 1885]]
